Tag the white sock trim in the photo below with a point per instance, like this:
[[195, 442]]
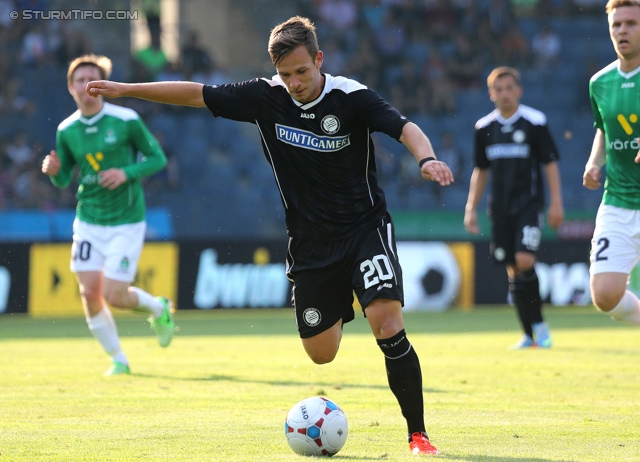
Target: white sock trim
[[147, 303], [627, 311], [104, 329]]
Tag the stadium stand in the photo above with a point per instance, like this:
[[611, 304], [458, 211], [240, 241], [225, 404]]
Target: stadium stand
[[222, 169]]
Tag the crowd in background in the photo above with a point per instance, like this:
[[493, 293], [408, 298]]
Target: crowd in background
[[417, 54]]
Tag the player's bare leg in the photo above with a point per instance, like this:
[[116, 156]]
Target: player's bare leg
[[100, 320], [120, 294], [323, 348], [610, 295]]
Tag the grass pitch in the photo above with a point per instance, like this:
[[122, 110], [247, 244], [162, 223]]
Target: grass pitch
[[221, 391]]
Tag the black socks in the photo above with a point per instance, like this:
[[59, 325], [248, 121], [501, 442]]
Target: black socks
[[525, 290], [405, 378]]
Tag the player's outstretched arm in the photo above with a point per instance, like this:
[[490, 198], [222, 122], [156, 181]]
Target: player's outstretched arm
[[178, 93], [420, 146]]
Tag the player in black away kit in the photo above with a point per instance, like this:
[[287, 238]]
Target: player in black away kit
[[515, 143], [315, 131]]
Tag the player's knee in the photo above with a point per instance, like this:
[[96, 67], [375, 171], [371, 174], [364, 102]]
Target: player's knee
[[323, 356], [320, 354], [91, 294], [115, 298], [605, 300]]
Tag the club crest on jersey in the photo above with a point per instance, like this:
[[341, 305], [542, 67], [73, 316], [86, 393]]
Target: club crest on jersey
[[330, 124], [309, 140], [518, 136], [110, 138]]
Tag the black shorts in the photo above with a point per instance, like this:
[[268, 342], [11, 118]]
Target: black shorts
[[512, 234], [326, 274]]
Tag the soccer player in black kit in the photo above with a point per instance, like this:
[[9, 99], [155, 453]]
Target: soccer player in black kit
[[514, 141], [315, 130]]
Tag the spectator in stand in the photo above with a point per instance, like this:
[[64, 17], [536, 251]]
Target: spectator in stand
[[34, 51], [31, 190], [19, 150], [515, 47], [12, 102], [408, 96], [441, 93], [195, 58], [546, 46], [364, 65], [440, 20], [340, 18], [390, 42], [171, 71], [466, 63], [6, 176], [587, 6], [73, 41], [211, 75], [525, 8], [500, 14], [150, 60], [338, 58], [488, 41]]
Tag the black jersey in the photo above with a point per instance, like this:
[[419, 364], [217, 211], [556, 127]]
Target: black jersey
[[321, 152], [514, 149]]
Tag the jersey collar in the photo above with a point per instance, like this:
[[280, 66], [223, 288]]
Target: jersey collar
[[509, 121], [628, 75], [94, 118], [305, 106]]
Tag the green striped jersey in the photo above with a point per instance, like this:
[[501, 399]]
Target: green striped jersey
[[615, 103], [110, 139]]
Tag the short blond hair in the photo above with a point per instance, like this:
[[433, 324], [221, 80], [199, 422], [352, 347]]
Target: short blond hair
[[502, 71], [613, 4], [102, 63]]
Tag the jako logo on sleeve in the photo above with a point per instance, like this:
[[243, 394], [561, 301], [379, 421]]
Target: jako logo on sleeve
[[309, 140]]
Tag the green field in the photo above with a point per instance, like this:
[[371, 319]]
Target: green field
[[221, 391]]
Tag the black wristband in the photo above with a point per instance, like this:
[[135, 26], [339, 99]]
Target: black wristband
[[425, 160]]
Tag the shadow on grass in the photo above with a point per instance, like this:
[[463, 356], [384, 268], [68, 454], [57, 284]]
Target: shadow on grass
[[472, 458], [282, 383], [281, 322]]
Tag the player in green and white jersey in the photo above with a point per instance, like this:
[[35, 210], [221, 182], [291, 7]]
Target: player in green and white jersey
[[615, 247], [102, 141]]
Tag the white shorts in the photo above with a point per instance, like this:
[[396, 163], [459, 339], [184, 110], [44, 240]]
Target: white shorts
[[113, 250], [615, 247]]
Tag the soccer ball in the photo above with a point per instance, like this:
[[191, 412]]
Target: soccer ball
[[316, 426]]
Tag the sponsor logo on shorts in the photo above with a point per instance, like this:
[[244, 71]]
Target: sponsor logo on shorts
[[124, 265], [312, 317]]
